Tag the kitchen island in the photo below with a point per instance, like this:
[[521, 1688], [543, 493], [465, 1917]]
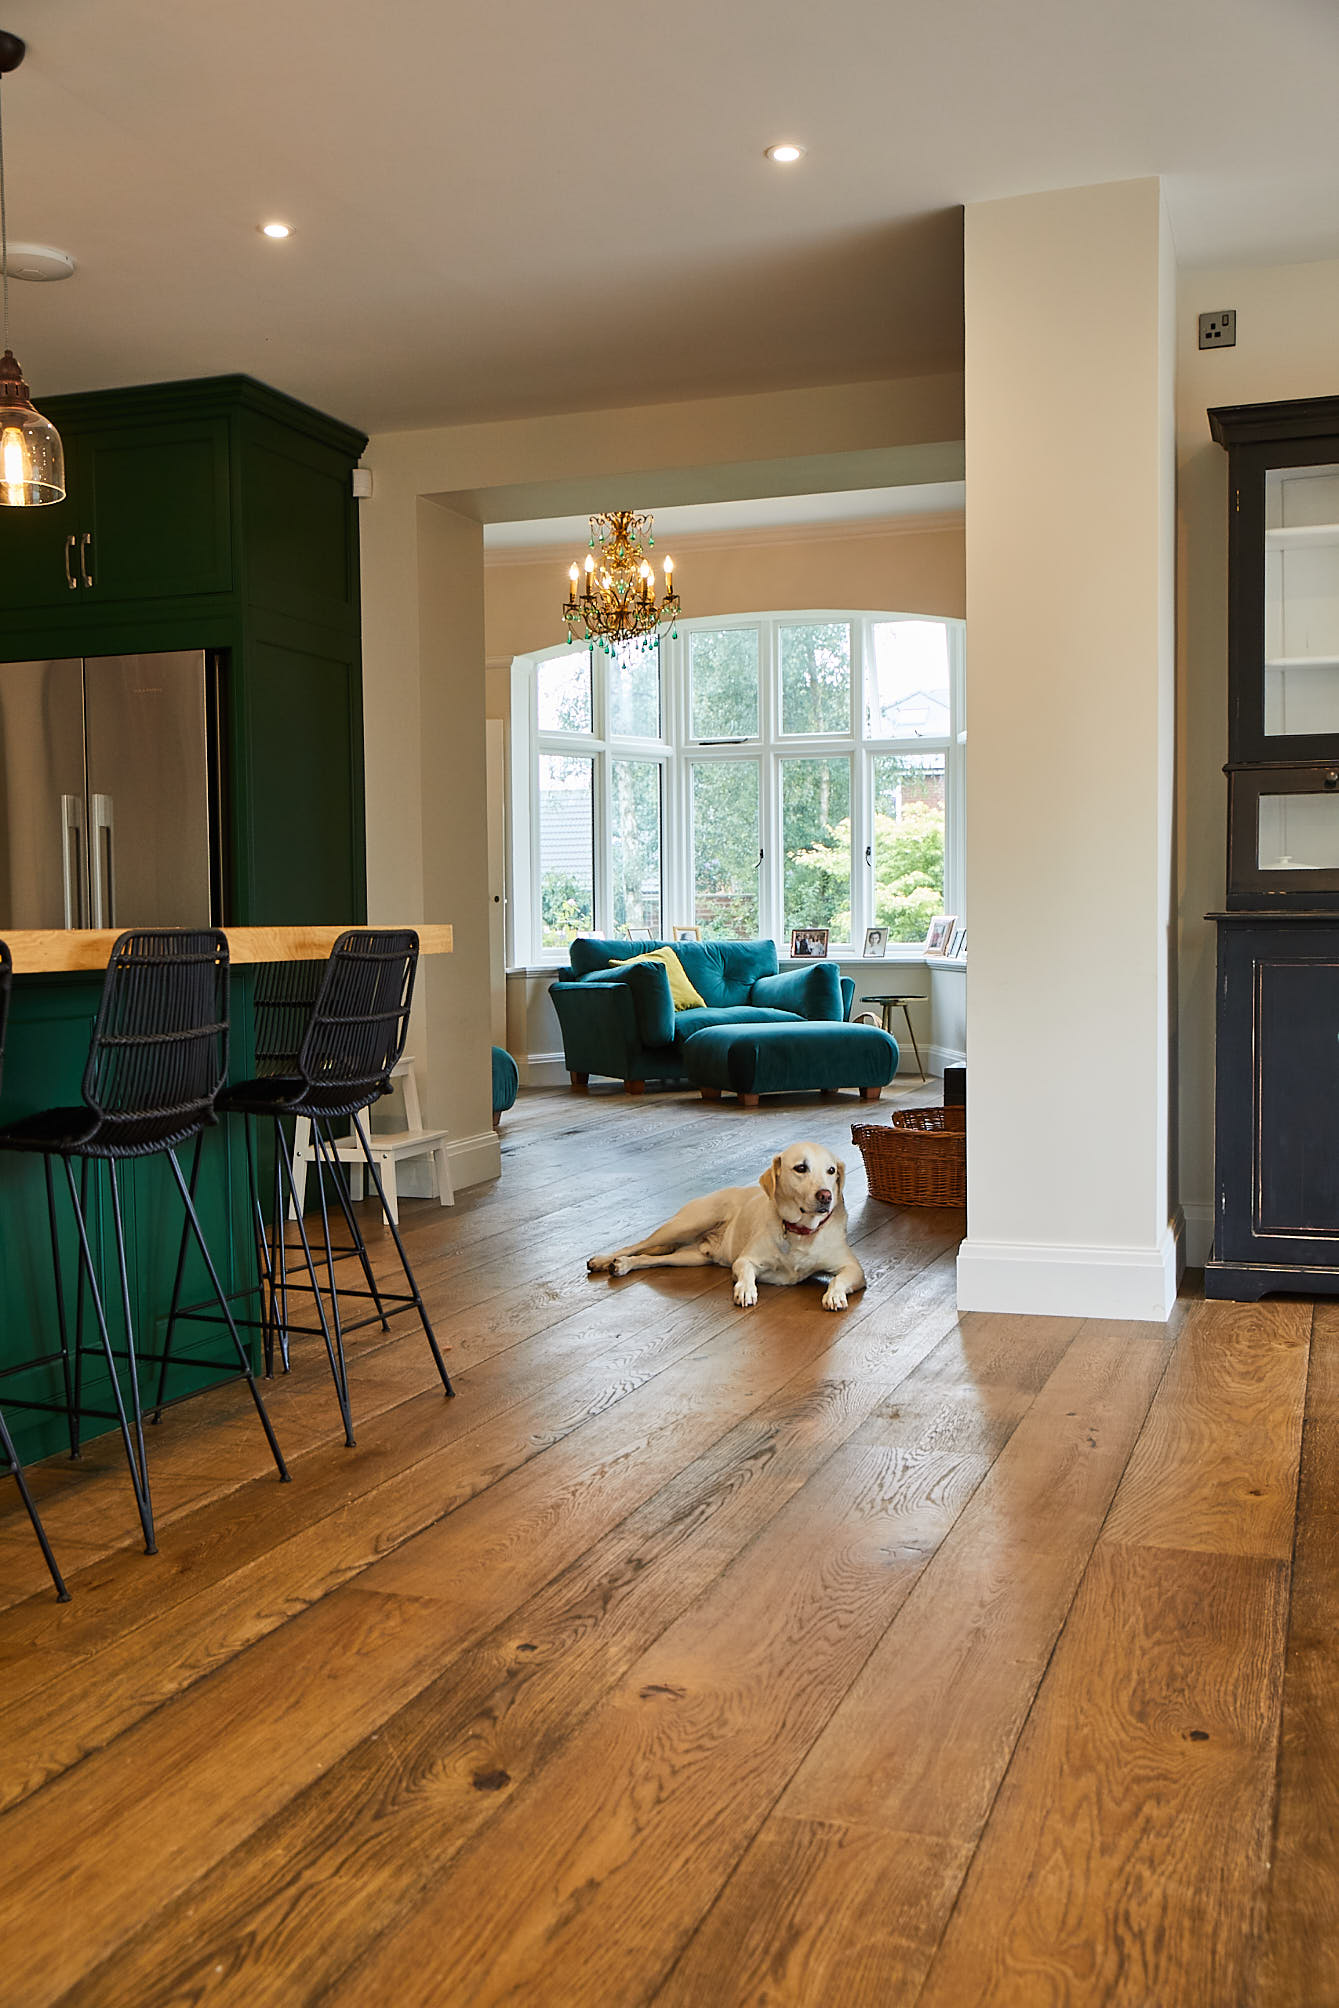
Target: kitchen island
[[57, 986]]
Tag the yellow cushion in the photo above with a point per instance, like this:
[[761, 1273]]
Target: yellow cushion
[[682, 994]]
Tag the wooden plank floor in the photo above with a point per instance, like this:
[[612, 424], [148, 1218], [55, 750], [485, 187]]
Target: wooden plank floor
[[694, 1656]]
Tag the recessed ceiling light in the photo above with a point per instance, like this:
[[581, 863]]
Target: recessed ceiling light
[[785, 152], [276, 229]]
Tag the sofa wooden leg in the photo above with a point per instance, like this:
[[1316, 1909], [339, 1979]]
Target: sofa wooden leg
[[580, 1082], [635, 1087], [870, 1094], [710, 1094], [749, 1101]]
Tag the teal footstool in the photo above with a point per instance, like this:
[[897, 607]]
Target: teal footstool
[[779, 1059], [506, 1080]]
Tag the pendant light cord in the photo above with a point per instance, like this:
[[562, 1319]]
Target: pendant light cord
[[4, 222]]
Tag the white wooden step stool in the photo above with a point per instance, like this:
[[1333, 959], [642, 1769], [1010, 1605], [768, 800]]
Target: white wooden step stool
[[388, 1147]]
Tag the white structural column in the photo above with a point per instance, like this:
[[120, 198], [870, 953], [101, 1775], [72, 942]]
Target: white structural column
[[1070, 360]]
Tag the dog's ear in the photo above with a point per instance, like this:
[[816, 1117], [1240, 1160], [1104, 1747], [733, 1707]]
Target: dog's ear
[[841, 1177], [769, 1177]]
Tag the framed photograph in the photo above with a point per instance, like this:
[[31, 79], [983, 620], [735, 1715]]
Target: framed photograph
[[810, 941], [876, 941], [639, 934], [957, 946], [688, 934], [941, 933]]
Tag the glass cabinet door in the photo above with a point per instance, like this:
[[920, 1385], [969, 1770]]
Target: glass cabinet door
[[1301, 667]]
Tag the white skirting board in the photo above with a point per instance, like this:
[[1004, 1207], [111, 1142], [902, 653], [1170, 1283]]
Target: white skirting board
[[543, 1070], [473, 1159], [1035, 1279]]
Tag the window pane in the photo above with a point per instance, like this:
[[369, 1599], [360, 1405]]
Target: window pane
[[725, 684], [634, 693], [563, 687], [908, 843], [907, 681], [634, 787], [566, 849], [816, 678], [725, 848], [816, 841]]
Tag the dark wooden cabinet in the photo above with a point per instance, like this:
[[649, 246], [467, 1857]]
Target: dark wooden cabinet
[[1276, 1202]]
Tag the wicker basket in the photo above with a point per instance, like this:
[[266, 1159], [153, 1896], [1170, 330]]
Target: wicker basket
[[917, 1158]]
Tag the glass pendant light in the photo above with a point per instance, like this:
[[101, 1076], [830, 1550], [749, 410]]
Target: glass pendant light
[[32, 460]]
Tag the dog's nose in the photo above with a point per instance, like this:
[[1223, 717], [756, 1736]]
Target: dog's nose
[[823, 1198]]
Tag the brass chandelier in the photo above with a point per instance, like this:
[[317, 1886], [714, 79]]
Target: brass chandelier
[[616, 605]]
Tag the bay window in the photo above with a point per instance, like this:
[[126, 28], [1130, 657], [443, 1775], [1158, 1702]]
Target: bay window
[[754, 775]]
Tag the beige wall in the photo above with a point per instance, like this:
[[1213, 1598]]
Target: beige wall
[[423, 631], [1286, 321], [1070, 518], [897, 568]]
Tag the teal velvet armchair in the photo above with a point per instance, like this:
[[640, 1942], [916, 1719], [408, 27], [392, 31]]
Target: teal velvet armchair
[[621, 1022]]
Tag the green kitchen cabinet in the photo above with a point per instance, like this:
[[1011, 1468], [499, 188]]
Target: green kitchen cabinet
[[219, 514]]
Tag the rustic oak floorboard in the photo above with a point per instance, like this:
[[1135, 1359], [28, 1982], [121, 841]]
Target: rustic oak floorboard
[[595, 1877], [1301, 1953], [275, 1923], [400, 1731], [822, 1914], [1124, 1860], [921, 1740], [299, 1556], [1216, 1467], [144, 1800]]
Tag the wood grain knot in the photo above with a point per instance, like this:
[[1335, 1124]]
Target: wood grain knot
[[654, 1689], [1199, 1735], [490, 1781], [527, 1647]]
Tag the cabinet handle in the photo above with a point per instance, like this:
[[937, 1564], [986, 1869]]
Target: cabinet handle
[[85, 553], [70, 579]]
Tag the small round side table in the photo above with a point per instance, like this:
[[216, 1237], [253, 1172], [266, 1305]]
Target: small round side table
[[889, 1004]]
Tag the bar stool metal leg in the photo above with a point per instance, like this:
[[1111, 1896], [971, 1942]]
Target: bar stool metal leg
[[139, 1477], [16, 1469], [419, 1305]]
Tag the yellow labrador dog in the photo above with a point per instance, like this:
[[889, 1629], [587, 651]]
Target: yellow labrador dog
[[792, 1224]]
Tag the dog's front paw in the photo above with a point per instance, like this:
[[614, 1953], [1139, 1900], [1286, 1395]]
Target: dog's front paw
[[834, 1299], [622, 1265], [746, 1295], [597, 1264]]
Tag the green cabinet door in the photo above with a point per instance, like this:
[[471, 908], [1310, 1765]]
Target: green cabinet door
[[155, 511], [39, 564]]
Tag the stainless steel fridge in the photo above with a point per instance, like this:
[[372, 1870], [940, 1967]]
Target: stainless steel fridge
[[106, 792]]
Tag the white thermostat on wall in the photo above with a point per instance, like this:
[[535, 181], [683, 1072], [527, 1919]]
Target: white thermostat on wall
[[362, 482]]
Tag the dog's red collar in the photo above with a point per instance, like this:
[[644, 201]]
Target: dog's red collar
[[794, 1227]]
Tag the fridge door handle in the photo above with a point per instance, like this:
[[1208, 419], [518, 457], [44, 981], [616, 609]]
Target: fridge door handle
[[70, 579], [85, 557], [72, 857], [104, 862]]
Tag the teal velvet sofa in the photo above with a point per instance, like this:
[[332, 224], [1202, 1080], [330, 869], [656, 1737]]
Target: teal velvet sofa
[[622, 1022]]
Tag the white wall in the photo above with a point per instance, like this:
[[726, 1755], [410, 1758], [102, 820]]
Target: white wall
[[1070, 499], [424, 648], [1287, 317]]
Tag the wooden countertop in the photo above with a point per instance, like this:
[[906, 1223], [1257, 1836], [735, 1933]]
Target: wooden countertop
[[45, 951]]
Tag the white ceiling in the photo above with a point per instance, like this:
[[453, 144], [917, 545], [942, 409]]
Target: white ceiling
[[721, 519], [536, 206]]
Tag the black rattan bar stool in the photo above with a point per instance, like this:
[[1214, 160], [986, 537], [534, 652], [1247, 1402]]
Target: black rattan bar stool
[[6, 1440], [157, 1060], [353, 1035]]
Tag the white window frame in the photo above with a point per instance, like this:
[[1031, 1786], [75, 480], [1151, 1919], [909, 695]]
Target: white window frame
[[676, 750]]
